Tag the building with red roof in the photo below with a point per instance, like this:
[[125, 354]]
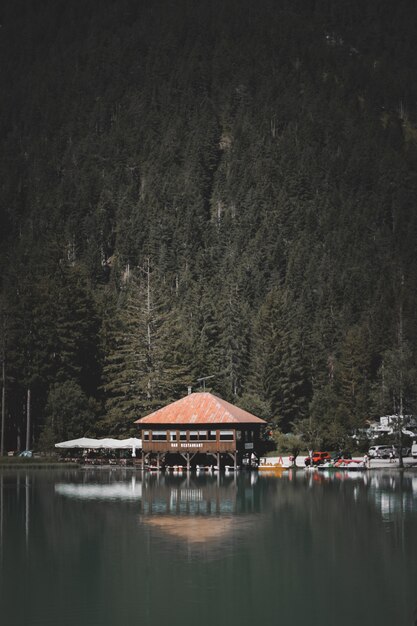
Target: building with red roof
[[199, 429]]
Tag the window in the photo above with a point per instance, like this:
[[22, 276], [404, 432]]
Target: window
[[146, 435], [202, 435], [249, 435], [173, 435], [226, 435], [212, 435], [159, 435], [183, 435], [193, 435]]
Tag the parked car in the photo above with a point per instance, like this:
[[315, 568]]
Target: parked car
[[385, 452], [379, 452], [26, 454], [318, 458]]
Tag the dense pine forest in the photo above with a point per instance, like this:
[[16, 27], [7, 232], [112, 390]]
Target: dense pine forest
[[194, 188]]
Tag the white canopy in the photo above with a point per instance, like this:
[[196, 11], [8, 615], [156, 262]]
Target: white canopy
[[107, 443], [83, 442], [132, 442], [110, 444]]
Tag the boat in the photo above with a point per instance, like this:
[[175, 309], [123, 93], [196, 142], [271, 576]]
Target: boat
[[271, 467], [350, 465]]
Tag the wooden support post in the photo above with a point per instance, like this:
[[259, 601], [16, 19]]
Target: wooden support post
[[211, 454], [157, 461], [233, 456], [218, 461], [188, 457], [147, 455]]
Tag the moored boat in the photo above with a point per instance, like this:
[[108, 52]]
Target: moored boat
[[272, 467], [350, 465]]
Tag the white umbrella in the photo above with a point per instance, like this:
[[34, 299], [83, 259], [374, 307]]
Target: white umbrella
[[109, 444], [120, 444], [106, 443], [132, 442], [83, 442]]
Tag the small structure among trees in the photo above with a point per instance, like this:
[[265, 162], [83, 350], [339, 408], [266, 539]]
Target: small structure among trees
[[201, 429]]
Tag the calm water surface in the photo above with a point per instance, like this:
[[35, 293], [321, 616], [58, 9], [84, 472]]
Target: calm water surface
[[108, 547]]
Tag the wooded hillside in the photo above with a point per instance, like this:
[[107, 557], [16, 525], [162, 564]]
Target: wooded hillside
[[207, 187]]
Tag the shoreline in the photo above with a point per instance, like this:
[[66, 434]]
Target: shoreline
[[409, 462], [273, 461], [28, 464]]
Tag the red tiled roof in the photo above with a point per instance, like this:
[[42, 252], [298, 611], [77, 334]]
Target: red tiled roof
[[200, 408]]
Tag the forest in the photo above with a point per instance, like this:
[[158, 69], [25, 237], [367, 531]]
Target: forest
[[198, 188]]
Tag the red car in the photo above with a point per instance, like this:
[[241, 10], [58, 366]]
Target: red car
[[318, 458]]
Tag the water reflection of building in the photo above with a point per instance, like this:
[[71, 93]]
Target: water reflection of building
[[198, 510], [196, 530], [189, 497]]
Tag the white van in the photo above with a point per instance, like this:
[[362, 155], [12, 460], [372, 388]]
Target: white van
[[379, 452], [414, 450]]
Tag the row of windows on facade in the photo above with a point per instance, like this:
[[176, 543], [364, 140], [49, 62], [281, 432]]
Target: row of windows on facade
[[194, 435]]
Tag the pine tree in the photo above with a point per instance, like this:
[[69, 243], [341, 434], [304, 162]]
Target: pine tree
[[352, 376], [146, 364], [127, 368], [234, 337]]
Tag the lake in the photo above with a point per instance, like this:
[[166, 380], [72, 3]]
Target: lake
[[106, 547]]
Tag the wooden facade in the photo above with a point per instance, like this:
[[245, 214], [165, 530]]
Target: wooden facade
[[219, 439]]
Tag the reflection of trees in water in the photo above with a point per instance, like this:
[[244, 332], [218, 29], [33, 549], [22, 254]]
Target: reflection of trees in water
[[388, 494], [355, 521], [394, 493], [266, 531], [311, 501], [71, 510], [61, 528]]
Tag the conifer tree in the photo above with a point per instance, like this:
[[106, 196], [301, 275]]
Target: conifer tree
[[234, 340], [128, 362], [352, 376], [146, 363]]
